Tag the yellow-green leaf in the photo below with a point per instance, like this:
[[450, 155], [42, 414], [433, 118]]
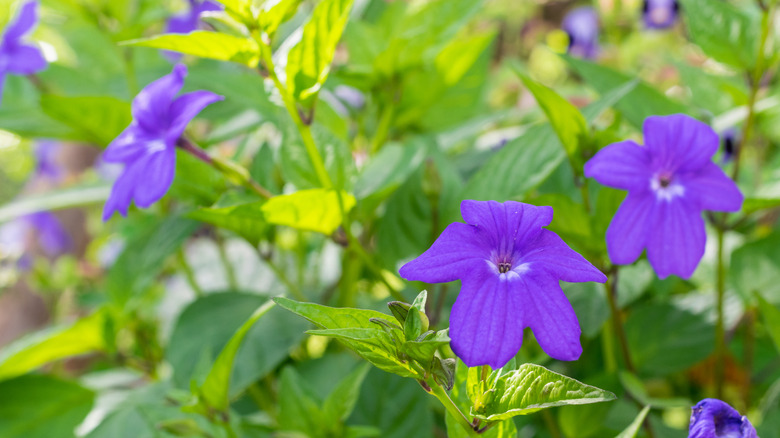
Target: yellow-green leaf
[[205, 44], [312, 210]]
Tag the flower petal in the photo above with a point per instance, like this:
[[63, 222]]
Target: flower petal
[[627, 233], [623, 165], [679, 142], [550, 315], [677, 240], [550, 253], [713, 418], [52, 236], [121, 192], [458, 250], [506, 224], [712, 189], [151, 107], [486, 321], [185, 108], [158, 171], [129, 146], [25, 59], [25, 21]]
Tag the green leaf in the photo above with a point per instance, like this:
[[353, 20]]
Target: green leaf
[[204, 44], [771, 316], [423, 351], [374, 345], [308, 62], [331, 317], [312, 210], [636, 388], [723, 31], [521, 165], [215, 389], [643, 101], [389, 168], [245, 219], [565, 118], [96, 119], [42, 407], [752, 205], [298, 407], [207, 325], [240, 9], [504, 429], [83, 336], [754, 268], [144, 256], [633, 428], [77, 196], [341, 402], [531, 388], [594, 110], [416, 321], [278, 13]]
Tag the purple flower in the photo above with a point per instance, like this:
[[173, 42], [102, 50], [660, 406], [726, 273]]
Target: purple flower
[[46, 153], [16, 56], [147, 146], [190, 20], [509, 267], [670, 181], [660, 14], [43, 226], [582, 26], [730, 139], [713, 418]]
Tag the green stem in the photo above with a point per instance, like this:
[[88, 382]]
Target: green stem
[[720, 331], [189, 274], [132, 82], [611, 289], [449, 405], [230, 273], [755, 85]]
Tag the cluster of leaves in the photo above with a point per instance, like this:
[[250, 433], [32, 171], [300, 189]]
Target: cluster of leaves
[[180, 337]]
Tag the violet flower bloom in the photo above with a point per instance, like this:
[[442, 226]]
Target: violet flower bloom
[[713, 418], [190, 20], [509, 267], [660, 14], [670, 181], [147, 146], [17, 56], [582, 26], [46, 152], [44, 227]]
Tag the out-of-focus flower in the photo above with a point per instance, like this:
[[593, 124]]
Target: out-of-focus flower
[[46, 153], [660, 14], [17, 56], [42, 227], [582, 26], [713, 418], [147, 146], [351, 96], [509, 267], [670, 181], [730, 141], [190, 20]]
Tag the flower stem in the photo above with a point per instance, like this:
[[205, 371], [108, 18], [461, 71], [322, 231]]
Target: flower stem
[[230, 273], [720, 331], [232, 171], [611, 289], [188, 273], [433, 388]]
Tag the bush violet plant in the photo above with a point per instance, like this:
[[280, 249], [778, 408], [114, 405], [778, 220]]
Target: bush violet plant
[[17, 56], [147, 146], [660, 14], [713, 418], [509, 266], [670, 181]]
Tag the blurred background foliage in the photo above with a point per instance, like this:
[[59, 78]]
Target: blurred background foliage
[[423, 107]]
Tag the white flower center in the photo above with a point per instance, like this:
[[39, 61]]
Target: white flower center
[[155, 146], [665, 186]]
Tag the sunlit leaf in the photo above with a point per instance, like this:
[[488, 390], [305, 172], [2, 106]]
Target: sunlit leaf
[[723, 31], [205, 44], [312, 210]]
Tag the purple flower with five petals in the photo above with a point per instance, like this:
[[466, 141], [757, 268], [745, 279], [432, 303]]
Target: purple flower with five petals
[[509, 267], [713, 418], [17, 56], [582, 26], [147, 147], [190, 20], [660, 14], [670, 181]]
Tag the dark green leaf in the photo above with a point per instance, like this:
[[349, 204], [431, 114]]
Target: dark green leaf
[[98, 119]]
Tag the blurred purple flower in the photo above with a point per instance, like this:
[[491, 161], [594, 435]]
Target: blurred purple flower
[[16, 56], [582, 26], [147, 146], [45, 228], [670, 181], [713, 418], [730, 140], [660, 14], [509, 267], [351, 96], [46, 152], [188, 22]]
